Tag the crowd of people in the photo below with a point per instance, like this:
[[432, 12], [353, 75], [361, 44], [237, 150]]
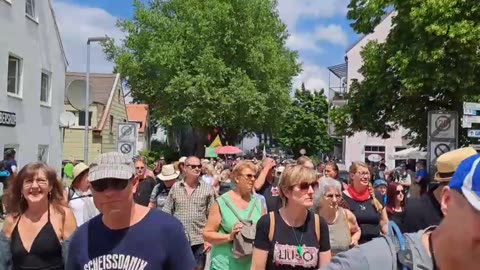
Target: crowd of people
[[241, 214]]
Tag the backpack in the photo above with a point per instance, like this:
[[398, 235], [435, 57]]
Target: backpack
[[243, 241], [399, 241], [271, 229]]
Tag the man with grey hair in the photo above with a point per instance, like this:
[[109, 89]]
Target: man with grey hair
[[126, 235], [342, 224]]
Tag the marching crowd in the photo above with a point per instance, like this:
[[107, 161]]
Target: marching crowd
[[241, 215]]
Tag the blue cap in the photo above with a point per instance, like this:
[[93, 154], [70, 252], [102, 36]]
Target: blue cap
[[466, 180], [379, 182]]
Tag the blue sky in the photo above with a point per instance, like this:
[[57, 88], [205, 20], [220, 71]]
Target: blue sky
[[319, 31]]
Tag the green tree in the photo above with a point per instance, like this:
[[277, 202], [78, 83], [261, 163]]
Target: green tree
[[429, 61], [305, 125], [208, 64]]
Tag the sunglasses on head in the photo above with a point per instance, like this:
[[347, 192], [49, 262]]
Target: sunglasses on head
[[305, 186], [194, 166], [109, 183]]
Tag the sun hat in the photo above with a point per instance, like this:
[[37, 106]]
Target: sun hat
[[379, 182], [79, 169], [168, 173], [448, 163], [111, 165], [466, 180], [182, 159]]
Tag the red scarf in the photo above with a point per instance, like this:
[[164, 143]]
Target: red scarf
[[359, 197]]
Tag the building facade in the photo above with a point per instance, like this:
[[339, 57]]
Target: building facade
[[32, 81], [140, 115], [361, 145], [106, 111]]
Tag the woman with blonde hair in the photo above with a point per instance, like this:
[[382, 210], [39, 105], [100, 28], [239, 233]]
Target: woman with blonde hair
[[342, 224], [293, 237], [229, 214], [364, 204], [38, 222]]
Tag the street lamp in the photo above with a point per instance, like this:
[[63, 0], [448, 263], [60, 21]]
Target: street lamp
[[87, 96]]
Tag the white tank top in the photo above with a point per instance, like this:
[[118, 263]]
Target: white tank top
[[82, 206]]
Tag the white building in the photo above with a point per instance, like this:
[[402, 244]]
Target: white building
[[361, 144], [32, 81]]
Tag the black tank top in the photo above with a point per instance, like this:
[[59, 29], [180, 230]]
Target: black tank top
[[367, 218], [45, 253]]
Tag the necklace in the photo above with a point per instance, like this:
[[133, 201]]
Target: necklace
[[299, 246]]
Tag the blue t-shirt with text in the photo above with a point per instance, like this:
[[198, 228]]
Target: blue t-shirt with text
[[157, 242]]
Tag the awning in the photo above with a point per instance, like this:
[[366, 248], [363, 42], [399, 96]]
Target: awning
[[410, 153]]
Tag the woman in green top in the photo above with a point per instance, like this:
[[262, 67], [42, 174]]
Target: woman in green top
[[223, 225]]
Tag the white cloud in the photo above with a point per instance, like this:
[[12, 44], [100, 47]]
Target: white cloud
[[332, 33], [313, 76], [78, 23], [292, 10], [304, 41]]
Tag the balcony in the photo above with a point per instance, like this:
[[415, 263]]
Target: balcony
[[337, 84]]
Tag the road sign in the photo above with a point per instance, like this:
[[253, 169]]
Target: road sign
[[439, 148], [126, 148], [443, 125], [471, 108], [473, 133], [127, 132]]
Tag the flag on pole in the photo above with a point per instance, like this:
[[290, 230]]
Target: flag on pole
[[216, 143]]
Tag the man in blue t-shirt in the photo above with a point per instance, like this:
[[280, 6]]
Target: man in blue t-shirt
[[126, 235]]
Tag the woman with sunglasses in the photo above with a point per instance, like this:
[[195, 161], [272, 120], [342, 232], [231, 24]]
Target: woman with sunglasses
[[293, 237], [342, 224], [364, 203], [396, 203], [223, 221], [38, 224]]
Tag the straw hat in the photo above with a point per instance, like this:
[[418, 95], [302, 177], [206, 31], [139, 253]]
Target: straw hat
[[448, 163], [79, 169], [168, 173]]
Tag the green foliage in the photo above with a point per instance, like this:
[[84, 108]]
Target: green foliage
[[209, 63], [428, 62], [305, 124]]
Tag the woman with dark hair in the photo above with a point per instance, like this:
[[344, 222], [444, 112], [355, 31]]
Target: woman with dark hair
[[396, 203], [38, 221]]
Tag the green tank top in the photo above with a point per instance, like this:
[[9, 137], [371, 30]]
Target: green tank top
[[222, 254]]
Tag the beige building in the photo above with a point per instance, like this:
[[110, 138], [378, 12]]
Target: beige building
[[106, 111]]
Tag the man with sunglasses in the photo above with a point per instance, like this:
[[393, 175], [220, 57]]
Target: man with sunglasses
[[267, 185], [189, 200], [454, 244], [144, 183], [126, 235]]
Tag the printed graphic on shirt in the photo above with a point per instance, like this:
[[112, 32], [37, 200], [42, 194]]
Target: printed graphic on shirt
[[116, 262], [288, 255]]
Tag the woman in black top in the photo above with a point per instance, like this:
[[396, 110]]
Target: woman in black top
[[292, 237], [396, 203], [370, 213], [38, 222]]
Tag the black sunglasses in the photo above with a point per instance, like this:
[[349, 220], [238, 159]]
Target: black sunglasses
[[112, 183], [330, 196], [194, 166], [305, 186], [401, 192]]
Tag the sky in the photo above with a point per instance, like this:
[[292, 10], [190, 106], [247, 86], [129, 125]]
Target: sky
[[318, 30]]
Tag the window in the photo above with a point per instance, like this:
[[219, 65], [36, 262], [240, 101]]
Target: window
[[14, 74], [399, 162], [371, 150], [30, 8], [81, 118], [119, 96], [45, 88], [42, 153], [111, 124]]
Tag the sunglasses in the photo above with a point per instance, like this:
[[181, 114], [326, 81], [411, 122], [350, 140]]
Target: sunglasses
[[140, 168], [401, 192], [109, 183], [194, 166], [306, 186], [330, 196], [249, 176]]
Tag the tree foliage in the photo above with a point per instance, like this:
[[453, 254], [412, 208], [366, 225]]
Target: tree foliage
[[305, 124], [430, 61], [208, 64]]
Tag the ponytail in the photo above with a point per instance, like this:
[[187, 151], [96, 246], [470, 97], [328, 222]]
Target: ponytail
[[378, 206]]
